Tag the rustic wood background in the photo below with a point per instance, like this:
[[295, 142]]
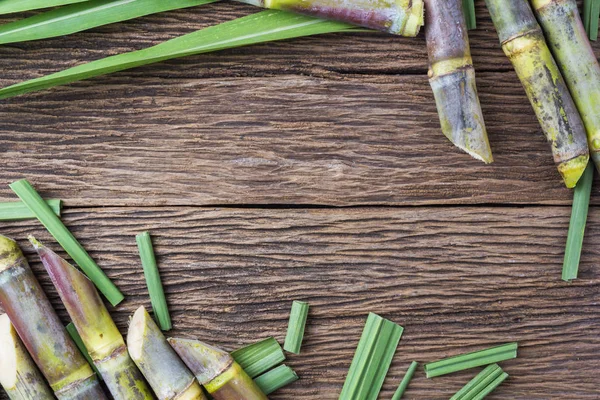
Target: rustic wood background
[[312, 169]]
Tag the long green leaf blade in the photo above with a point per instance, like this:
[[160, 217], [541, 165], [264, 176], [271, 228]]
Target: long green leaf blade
[[13, 6], [261, 27], [82, 16]]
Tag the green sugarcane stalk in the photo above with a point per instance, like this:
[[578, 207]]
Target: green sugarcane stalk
[[19, 376], [217, 371], [165, 372], [42, 333], [524, 44], [452, 78], [399, 17], [94, 324], [575, 57]]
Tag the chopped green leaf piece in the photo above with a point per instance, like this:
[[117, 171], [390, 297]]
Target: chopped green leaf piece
[[82, 16], [579, 213], [13, 6], [259, 357], [372, 359], [276, 379], [17, 210], [261, 27], [478, 383], [593, 18], [491, 387], [155, 288], [57, 229], [405, 381], [471, 360], [79, 342], [296, 326], [469, 11]]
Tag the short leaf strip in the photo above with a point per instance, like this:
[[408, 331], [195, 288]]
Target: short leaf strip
[[471, 360], [57, 229], [591, 15], [579, 214], [155, 287], [405, 381], [478, 383], [490, 388], [469, 11], [275, 379], [296, 326], [372, 359], [17, 210], [259, 357]]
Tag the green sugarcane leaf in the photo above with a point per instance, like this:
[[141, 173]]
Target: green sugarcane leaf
[[261, 27], [13, 6], [87, 15]]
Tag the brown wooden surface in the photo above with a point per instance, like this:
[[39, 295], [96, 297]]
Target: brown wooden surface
[[463, 255]]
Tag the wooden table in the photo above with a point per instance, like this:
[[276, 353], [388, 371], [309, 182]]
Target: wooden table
[[312, 169]]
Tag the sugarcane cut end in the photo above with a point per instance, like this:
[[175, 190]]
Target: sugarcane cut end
[[572, 170], [135, 334], [10, 253], [8, 353]]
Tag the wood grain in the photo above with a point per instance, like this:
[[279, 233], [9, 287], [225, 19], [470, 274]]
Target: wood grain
[[352, 140], [458, 279], [246, 126]]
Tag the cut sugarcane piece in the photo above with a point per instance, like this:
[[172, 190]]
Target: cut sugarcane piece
[[400, 17], [524, 44], [452, 78], [575, 57], [94, 324], [217, 371], [51, 348], [163, 369], [19, 376]]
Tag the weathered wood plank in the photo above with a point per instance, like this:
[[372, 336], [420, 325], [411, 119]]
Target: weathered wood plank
[[367, 53], [350, 140], [457, 278]]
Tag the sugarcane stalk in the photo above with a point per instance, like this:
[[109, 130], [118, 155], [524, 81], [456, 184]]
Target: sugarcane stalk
[[217, 371], [94, 324], [40, 329], [163, 369], [399, 17], [19, 376], [524, 44], [452, 78], [575, 57]]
